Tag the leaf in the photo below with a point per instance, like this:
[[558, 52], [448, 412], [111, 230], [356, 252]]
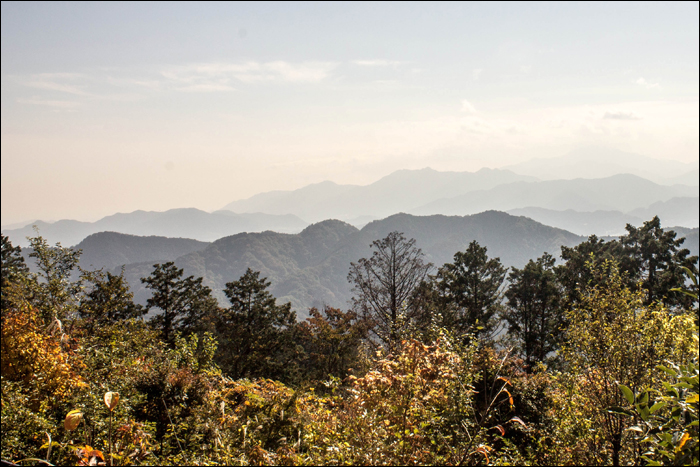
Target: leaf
[[510, 398], [629, 395], [657, 406], [517, 420], [685, 438], [500, 428], [111, 400], [503, 378], [692, 398], [620, 411], [73, 419], [666, 370]]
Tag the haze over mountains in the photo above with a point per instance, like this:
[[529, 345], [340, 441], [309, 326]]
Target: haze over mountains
[[601, 162], [186, 223], [616, 195]]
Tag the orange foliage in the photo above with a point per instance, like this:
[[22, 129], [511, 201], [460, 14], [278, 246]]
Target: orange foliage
[[36, 358]]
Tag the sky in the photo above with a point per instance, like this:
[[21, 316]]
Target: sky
[[114, 107]]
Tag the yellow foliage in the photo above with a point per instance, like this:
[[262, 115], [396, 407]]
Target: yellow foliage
[[31, 356]]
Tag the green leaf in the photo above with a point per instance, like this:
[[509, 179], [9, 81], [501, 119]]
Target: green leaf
[[629, 395], [657, 406], [666, 370], [620, 411]]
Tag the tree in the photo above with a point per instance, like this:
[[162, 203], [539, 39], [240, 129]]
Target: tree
[[56, 294], [13, 267], [255, 334], [384, 283], [655, 258], [110, 300], [472, 283], [184, 302], [332, 340], [575, 274], [534, 313], [613, 338]]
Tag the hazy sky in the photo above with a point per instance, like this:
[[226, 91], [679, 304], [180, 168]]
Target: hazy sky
[[123, 106]]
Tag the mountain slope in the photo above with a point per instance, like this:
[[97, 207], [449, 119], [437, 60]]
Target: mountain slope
[[394, 193], [600, 162], [310, 268], [185, 223], [617, 193]]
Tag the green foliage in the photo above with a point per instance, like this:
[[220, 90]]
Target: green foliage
[[184, 302], [108, 301], [13, 268], [256, 335], [470, 293], [332, 340], [667, 427], [534, 315]]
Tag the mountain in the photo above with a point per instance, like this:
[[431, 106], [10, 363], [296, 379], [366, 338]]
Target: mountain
[[310, 268], [186, 223], [617, 193], [601, 223], [111, 250], [397, 192], [674, 212], [600, 162]]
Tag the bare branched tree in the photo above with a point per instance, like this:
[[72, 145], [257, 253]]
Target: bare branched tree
[[383, 284]]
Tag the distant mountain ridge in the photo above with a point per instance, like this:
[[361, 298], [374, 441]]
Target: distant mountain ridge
[[674, 212], [186, 223], [601, 162], [310, 268], [616, 193], [398, 192]]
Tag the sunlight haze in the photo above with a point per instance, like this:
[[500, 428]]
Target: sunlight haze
[[114, 107]]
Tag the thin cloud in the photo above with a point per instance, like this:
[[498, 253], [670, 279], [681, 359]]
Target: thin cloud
[[646, 84], [56, 104], [377, 62], [468, 107], [620, 115], [216, 76], [62, 82]]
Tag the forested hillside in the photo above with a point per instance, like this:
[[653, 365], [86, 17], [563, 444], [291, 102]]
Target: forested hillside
[[310, 268], [465, 361]]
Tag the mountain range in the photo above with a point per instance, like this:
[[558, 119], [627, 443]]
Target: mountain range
[[601, 162], [185, 223]]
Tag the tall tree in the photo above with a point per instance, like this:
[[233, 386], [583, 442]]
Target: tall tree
[[13, 267], [472, 283], [184, 302], [656, 258], [109, 300], [534, 312], [255, 334], [56, 294], [331, 339], [384, 283]]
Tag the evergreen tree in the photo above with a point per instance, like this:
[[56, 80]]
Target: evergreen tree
[[255, 334], [472, 285], [534, 314], [656, 258], [384, 284], [184, 302], [110, 300], [13, 267]]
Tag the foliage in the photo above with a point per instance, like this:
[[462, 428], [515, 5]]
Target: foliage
[[13, 267], [614, 338], [256, 335], [534, 314], [656, 258], [470, 291], [332, 341], [184, 302], [108, 301], [384, 283], [667, 426]]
